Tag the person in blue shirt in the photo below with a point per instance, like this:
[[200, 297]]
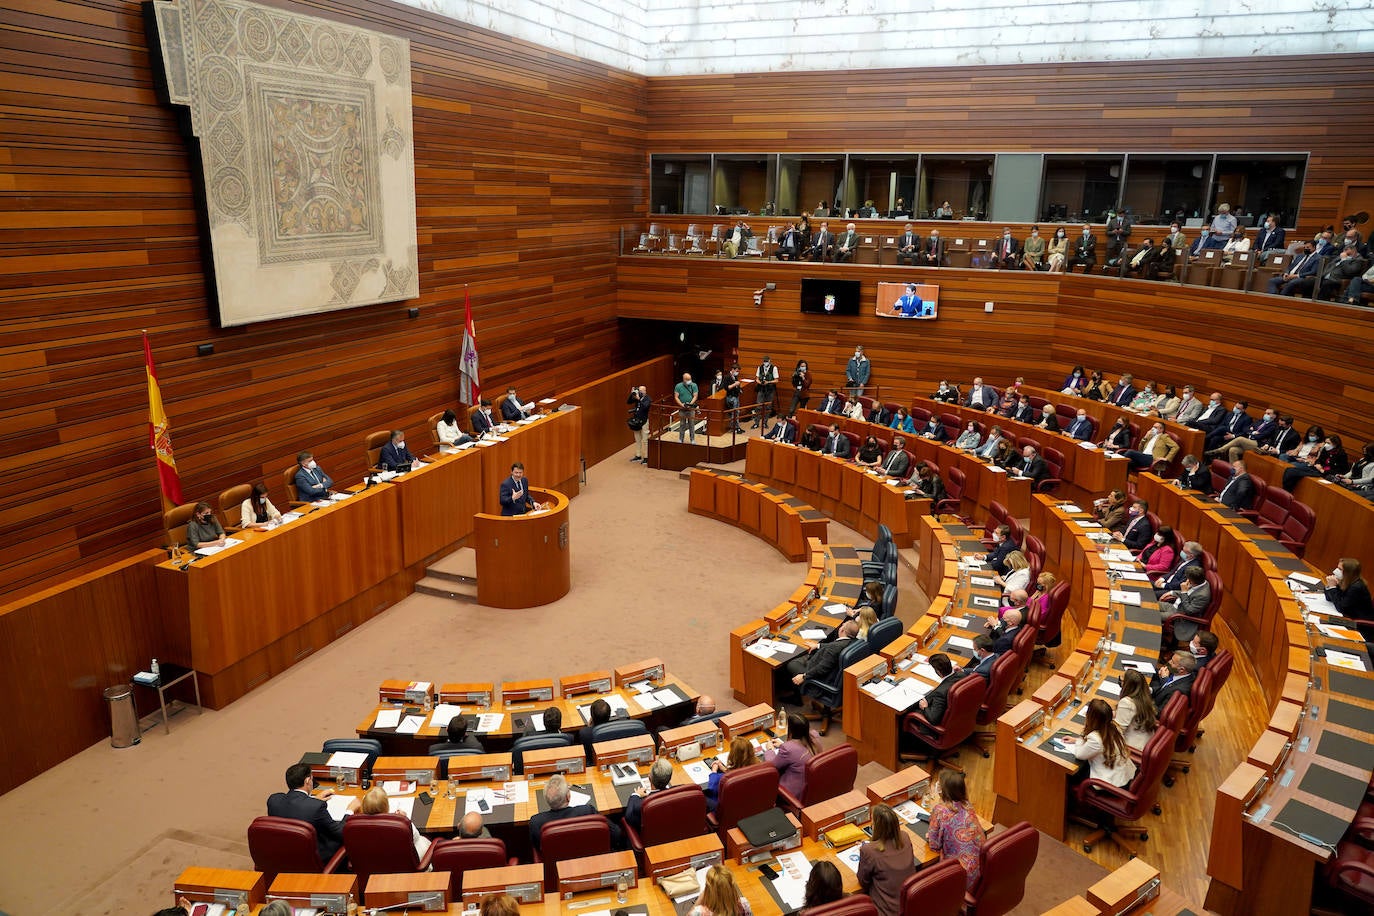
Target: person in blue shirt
[[909, 305]]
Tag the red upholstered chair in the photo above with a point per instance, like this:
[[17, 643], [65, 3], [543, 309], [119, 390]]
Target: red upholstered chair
[[461, 855], [1201, 700], [997, 515], [1007, 672], [571, 838], [953, 425], [828, 774], [936, 890], [854, 442], [1129, 802], [381, 844], [285, 845], [1034, 549], [1271, 512], [1351, 874], [1049, 623], [1005, 860], [961, 717], [955, 481], [1297, 530], [1221, 473], [744, 792], [1171, 626], [1054, 471], [668, 815], [919, 416], [853, 905]]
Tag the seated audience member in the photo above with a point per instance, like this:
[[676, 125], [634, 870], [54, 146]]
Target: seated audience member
[[1099, 389], [1004, 631], [511, 407], [720, 895], [1145, 262], [836, 443], [1124, 393], [990, 444], [1005, 253], [1194, 476], [1239, 492], [737, 242], [886, 861], [1190, 555], [870, 453], [933, 251], [1270, 238], [482, 420], [1075, 383], [1347, 590], [1110, 510], [1212, 416], [944, 211], [470, 827], [704, 709], [1300, 275], [1049, 419], [600, 712], [1143, 399], [908, 246], [741, 755], [1024, 412], [203, 529], [1137, 532], [834, 402], [823, 885], [880, 414], [980, 397], [660, 777], [927, 483], [1084, 251], [1349, 267], [968, 439], [257, 510], [845, 245], [955, 831], [934, 430], [500, 905], [1037, 604], [1006, 456], [983, 657], [1203, 647], [1189, 407], [1237, 438], [855, 411], [1158, 555], [1307, 450], [934, 703], [1176, 676], [1033, 252], [375, 801], [1191, 600], [822, 244], [299, 803], [1016, 572], [1361, 475], [1237, 244], [1330, 461], [1006, 405], [1236, 423], [867, 616], [790, 246], [812, 439], [1081, 429], [1102, 746], [1166, 403], [556, 796], [1155, 446], [788, 756], [458, 738], [1354, 293], [903, 422], [946, 393], [448, 431], [900, 211], [395, 456], [820, 662], [784, 430], [312, 484], [1032, 465], [896, 462]]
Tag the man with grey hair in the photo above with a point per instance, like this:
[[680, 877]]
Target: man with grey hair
[[472, 828], [846, 245], [557, 795], [660, 776]]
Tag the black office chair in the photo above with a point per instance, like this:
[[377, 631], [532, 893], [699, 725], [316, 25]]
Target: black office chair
[[535, 743], [620, 728], [369, 746], [883, 632], [827, 694], [452, 752]]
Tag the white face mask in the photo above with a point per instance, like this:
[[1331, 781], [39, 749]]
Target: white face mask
[[1159, 539], [310, 464]]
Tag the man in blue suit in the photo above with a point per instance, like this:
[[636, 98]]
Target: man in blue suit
[[983, 656], [311, 482], [299, 804], [1304, 268], [515, 492], [482, 420], [1081, 428], [1270, 238], [395, 456]]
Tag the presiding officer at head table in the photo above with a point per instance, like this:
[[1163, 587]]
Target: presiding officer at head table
[[515, 492]]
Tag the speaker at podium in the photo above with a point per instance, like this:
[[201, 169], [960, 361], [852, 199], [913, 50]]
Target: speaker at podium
[[524, 560]]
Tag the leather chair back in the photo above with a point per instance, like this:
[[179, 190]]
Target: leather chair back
[[433, 424], [890, 595], [453, 752], [936, 890], [1175, 711], [288, 479], [373, 444], [883, 632], [620, 728], [920, 416], [954, 486], [830, 773], [745, 792], [1005, 859], [174, 522], [369, 746], [572, 838], [828, 692], [953, 424], [461, 855], [1203, 697], [1297, 530], [1273, 511], [283, 844], [672, 814], [379, 844], [853, 905], [961, 715], [229, 502], [535, 743], [1221, 473], [1006, 674]]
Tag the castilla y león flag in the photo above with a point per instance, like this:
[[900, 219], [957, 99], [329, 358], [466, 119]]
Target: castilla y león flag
[[469, 382]]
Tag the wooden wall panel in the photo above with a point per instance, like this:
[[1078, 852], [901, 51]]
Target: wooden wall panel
[[527, 163], [1324, 105]]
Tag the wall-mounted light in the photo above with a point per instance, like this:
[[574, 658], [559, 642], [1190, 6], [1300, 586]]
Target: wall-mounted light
[[205, 349], [413, 313]]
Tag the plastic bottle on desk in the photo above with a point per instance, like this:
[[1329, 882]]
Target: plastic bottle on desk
[[157, 672], [782, 718]]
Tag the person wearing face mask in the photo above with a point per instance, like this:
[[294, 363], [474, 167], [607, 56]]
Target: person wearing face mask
[[857, 372], [1138, 531], [1118, 437], [1203, 647], [1158, 555], [968, 439], [1166, 403], [1024, 412], [1057, 253], [935, 430], [257, 511], [1260, 436], [870, 453], [1002, 546], [933, 251], [989, 446], [1212, 416], [1189, 407], [801, 390], [1330, 461], [395, 456], [1347, 590], [946, 393], [1049, 419], [1033, 252], [1118, 231], [1361, 475], [311, 483], [1004, 253], [1075, 383], [1239, 492], [1194, 476], [1238, 423], [203, 529], [482, 420], [1189, 600], [1032, 465], [1270, 239], [980, 396], [1081, 427], [1084, 251], [767, 379], [1098, 389]]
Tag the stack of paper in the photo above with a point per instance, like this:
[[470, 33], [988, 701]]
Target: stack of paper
[[410, 725], [398, 787], [338, 805], [211, 551], [340, 497], [1123, 597], [1345, 660], [388, 718], [443, 714], [907, 691], [836, 610], [489, 721], [347, 760]]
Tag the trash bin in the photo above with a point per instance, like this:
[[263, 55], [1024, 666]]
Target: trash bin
[[123, 716]]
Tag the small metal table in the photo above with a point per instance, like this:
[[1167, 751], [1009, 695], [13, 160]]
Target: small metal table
[[168, 677]]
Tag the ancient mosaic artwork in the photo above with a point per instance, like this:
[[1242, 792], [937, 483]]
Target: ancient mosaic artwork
[[306, 151]]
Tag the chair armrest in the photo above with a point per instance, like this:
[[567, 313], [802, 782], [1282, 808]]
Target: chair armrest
[[335, 865], [633, 837], [790, 801], [1099, 788], [424, 861], [1251, 514]]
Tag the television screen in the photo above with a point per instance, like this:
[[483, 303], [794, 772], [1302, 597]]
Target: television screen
[[829, 297], [908, 300]]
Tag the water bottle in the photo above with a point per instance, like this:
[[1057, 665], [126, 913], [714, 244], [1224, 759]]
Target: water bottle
[[782, 719], [157, 672]]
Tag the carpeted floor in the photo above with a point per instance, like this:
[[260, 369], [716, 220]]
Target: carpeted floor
[[649, 579]]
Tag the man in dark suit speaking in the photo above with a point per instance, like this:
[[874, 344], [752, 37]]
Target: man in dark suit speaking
[[515, 492], [299, 804]]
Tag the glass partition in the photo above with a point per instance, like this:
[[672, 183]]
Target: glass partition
[[1080, 189], [963, 182], [1163, 188], [679, 184], [1258, 184], [810, 183], [743, 183], [880, 181]]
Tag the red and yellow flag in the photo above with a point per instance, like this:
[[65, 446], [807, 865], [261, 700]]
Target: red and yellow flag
[[159, 435]]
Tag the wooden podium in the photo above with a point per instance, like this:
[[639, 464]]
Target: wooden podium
[[524, 560]]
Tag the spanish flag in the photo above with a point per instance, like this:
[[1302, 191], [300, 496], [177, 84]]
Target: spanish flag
[[159, 435]]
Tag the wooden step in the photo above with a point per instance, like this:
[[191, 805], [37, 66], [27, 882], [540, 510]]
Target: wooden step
[[447, 588], [459, 566]]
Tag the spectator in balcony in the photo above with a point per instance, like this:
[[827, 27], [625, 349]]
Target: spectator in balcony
[[1084, 251], [1033, 252], [1057, 254]]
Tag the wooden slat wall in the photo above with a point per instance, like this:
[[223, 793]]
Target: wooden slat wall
[[527, 163], [1313, 359], [1324, 105]]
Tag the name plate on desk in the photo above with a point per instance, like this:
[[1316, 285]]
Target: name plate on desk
[[523, 882], [748, 720], [639, 749], [533, 691], [555, 760], [901, 786], [486, 767], [471, 694], [651, 670], [694, 852], [595, 872], [926, 631], [1130, 886], [849, 808], [673, 739], [781, 616], [592, 682]]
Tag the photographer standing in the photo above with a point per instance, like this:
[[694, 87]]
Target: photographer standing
[[639, 420]]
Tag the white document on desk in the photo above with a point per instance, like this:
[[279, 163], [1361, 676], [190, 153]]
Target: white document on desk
[[1119, 565], [763, 648], [836, 609], [388, 718], [1135, 576], [963, 642], [962, 622], [996, 470], [338, 805], [1144, 668], [290, 517], [1345, 660], [811, 634], [1112, 687], [647, 701], [697, 771], [410, 725], [1085, 523], [340, 497], [850, 857], [907, 692], [211, 551], [1123, 597], [398, 787], [516, 793], [490, 721], [1070, 508], [443, 714], [576, 798], [347, 760], [1119, 555], [983, 582], [666, 697], [924, 670], [877, 688]]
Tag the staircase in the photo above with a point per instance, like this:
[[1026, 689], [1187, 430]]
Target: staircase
[[453, 577]]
